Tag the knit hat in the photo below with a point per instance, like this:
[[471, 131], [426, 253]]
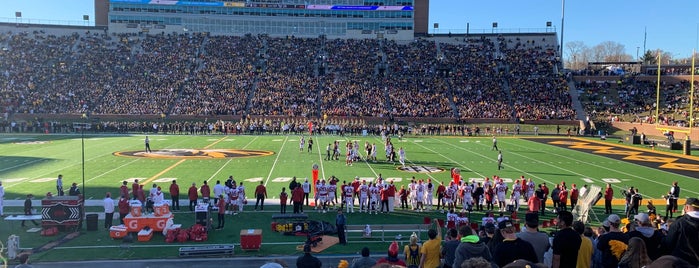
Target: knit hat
[[393, 249]]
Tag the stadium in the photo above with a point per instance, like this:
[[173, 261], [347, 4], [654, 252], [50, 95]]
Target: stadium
[[269, 92]]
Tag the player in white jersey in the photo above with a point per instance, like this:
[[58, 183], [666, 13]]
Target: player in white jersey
[[411, 196], [302, 144], [449, 195], [420, 196], [516, 194], [322, 190], [332, 192], [373, 151], [348, 196], [487, 183], [363, 197], [401, 156], [531, 188], [468, 198], [374, 198], [429, 194], [233, 200], [501, 191]]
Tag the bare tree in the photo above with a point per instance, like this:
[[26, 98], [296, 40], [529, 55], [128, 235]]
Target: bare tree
[[610, 51], [575, 51]]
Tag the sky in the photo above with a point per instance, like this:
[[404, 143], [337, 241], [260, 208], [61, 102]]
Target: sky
[[672, 26]]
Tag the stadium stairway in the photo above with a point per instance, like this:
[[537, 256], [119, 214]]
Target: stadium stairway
[[575, 100]]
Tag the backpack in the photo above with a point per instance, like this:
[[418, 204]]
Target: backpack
[[413, 258]]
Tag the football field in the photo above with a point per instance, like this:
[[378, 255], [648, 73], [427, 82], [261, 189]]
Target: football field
[[31, 163]]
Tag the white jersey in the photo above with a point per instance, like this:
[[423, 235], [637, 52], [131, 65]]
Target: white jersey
[[363, 191], [420, 192], [349, 191], [517, 190]]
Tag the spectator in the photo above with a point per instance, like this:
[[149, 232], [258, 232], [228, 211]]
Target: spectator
[[392, 258], [681, 240], [586, 250], [636, 254], [566, 243], [449, 247], [612, 243], [652, 237], [23, 261], [512, 248], [432, 248], [470, 247], [365, 260], [412, 252], [308, 260], [531, 234]]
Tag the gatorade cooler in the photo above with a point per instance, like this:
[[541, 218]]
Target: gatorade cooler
[[145, 235], [117, 232], [160, 209], [136, 207]]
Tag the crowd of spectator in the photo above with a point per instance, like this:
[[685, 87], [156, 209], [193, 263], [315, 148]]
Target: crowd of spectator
[[196, 74], [634, 99]]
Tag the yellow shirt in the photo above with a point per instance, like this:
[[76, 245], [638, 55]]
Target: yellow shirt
[[432, 249], [585, 253]]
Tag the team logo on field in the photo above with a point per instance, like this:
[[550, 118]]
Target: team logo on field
[[31, 142], [420, 169], [195, 153]]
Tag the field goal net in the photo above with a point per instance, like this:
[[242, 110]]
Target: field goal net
[[584, 207]]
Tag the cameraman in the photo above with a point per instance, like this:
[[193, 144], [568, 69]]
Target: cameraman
[[636, 198]]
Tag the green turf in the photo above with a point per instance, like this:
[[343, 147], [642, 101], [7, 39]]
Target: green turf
[[32, 167], [30, 164]]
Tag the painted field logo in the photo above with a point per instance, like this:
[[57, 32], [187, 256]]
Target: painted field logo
[[31, 142], [194, 153], [420, 169]]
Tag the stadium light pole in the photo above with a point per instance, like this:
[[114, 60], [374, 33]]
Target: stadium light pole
[[563, 14]]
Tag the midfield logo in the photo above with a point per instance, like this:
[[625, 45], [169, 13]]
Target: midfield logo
[[195, 153]]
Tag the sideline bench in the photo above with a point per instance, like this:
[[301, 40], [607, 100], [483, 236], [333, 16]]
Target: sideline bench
[[388, 231]]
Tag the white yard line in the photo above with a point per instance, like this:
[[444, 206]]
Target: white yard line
[[229, 161], [276, 160]]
